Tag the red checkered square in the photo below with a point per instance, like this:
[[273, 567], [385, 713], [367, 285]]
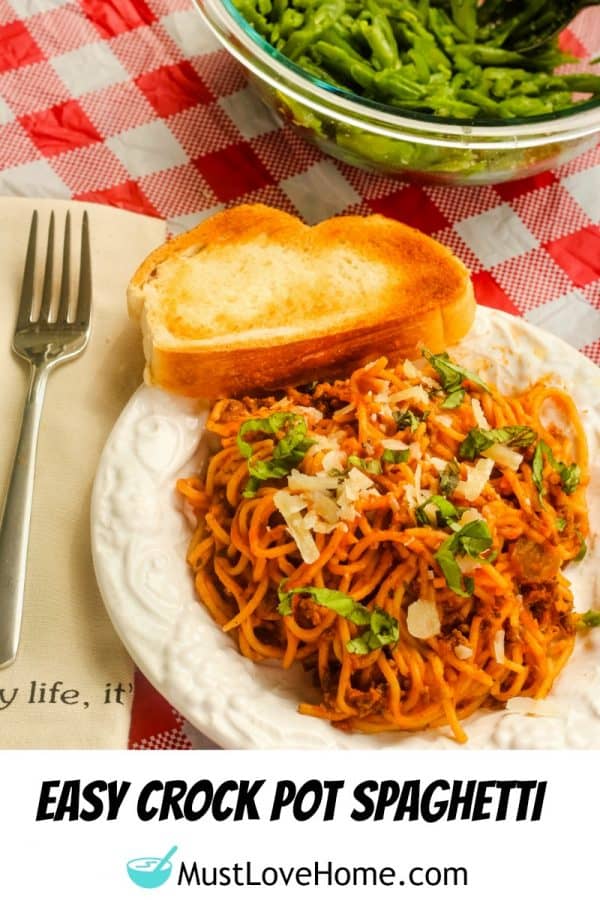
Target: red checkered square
[[126, 195], [550, 213], [90, 168], [17, 47], [586, 29], [16, 147], [582, 162], [117, 108], [458, 203], [139, 51], [113, 17], [220, 72], [532, 279], [7, 12], [578, 254], [369, 185], [151, 714], [284, 153], [174, 88], [178, 191], [32, 88], [61, 128], [489, 293], [452, 239], [233, 171], [166, 7], [412, 206], [61, 30], [593, 351], [204, 129], [591, 292], [510, 190], [570, 43]]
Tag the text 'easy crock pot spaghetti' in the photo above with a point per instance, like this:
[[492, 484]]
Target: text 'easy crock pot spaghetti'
[[402, 533]]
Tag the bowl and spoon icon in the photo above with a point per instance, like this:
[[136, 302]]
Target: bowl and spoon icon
[[151, 871]]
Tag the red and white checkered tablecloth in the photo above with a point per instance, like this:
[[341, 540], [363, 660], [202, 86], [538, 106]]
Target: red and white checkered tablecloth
[[133, 103]]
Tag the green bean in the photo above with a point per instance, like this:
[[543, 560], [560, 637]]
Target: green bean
[[464, 13], [345, 66], [380, 37], [316, 22], [450, 58]]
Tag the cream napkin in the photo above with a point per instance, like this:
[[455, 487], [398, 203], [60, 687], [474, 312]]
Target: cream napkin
[[68, 644]]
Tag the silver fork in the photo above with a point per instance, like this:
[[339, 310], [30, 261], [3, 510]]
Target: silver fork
[[44, 343]]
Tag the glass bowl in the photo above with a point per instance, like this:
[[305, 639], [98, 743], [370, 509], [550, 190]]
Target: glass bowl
[[378, 138]]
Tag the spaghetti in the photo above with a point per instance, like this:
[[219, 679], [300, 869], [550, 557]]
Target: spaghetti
[[402, 533]]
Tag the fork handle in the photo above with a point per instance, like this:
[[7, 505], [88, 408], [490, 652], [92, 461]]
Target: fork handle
[[16, 519]]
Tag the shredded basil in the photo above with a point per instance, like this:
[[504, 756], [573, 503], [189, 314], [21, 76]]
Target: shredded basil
[[382, 629], [479, 439], [589, 619], [409, 419], [395, 456], [472, 540], [570, 475], [451, 375], [454, 399], [372, 466], [287, 454], [445, 511], [449, 478]]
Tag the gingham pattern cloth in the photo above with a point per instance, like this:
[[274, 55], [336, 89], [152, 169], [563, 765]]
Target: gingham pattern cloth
[[133, 103]]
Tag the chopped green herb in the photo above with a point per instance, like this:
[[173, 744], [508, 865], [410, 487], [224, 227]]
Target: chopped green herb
[[570, 475], [472, 540], [561, 524], [454, 399], [372, 466], [395, 456], [450, 374], [449, 478], [382, 628], [445, 512], [409, 419], [537, 467], [479, 439], [287, 454], [447, 562], [589, 619], [582, 552]]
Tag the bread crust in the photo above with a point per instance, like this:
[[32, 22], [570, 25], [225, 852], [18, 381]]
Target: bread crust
[[430, 302]]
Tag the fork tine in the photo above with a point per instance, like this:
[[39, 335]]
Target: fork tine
[[84, 293], [24, 312], [48, 273], [65, 281]]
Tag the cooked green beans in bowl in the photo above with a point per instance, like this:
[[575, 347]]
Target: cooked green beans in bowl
[[452, 91]]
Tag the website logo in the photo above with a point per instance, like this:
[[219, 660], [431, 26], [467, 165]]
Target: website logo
[[151, 871]]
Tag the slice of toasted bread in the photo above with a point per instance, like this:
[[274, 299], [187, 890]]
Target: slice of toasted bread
[[252, 299]]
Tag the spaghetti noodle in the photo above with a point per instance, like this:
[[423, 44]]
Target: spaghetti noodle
[[402, 533]]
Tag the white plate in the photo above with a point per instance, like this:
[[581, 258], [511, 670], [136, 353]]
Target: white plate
[[139, 540]]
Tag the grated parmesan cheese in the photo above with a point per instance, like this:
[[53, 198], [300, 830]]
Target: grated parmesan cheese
[[393, 444], [499, 646], [479, 415], [290, 508], [504, 456], [423, 620], [462, 651], [477, 478], [416, 393]]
